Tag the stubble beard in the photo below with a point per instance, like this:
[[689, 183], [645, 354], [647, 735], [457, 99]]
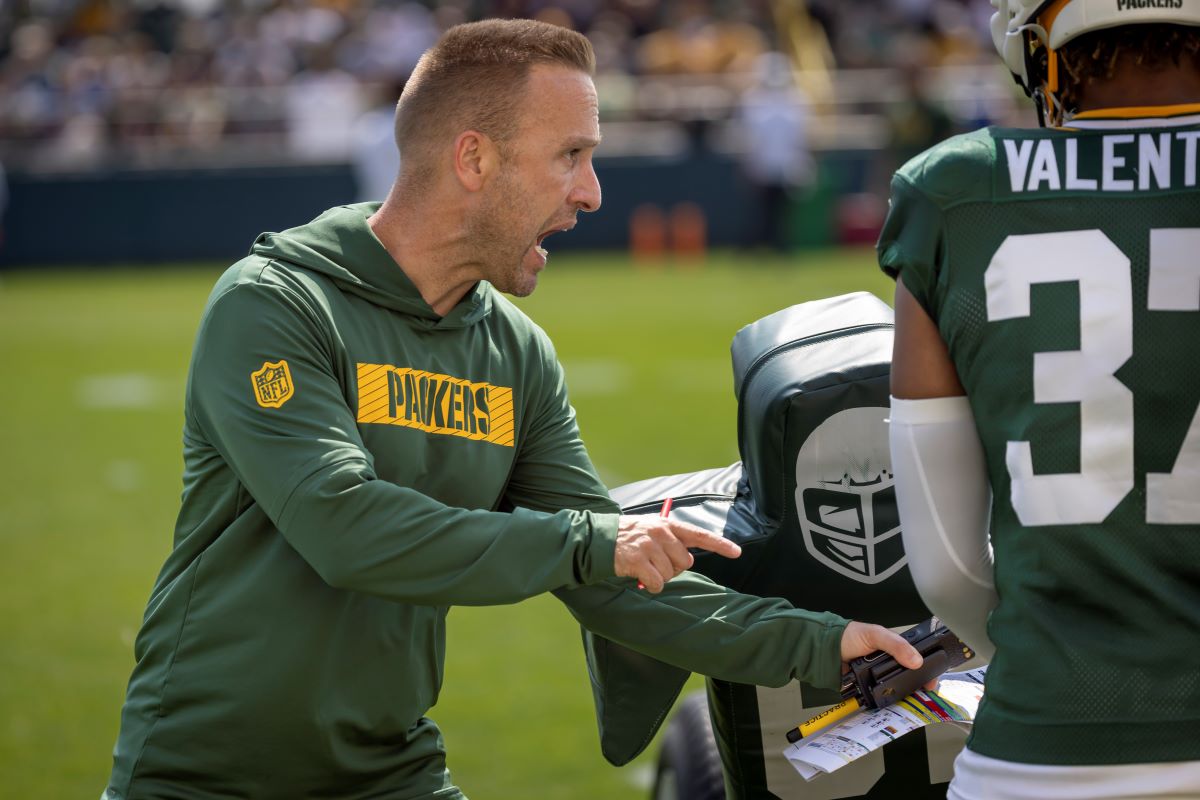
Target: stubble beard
[[496, 233]]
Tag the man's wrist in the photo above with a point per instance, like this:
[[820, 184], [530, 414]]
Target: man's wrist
[[600, 562], [825, 668]]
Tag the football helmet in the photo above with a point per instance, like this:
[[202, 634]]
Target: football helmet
[[1021, 27]]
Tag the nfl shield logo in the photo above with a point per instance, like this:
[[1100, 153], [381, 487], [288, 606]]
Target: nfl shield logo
[[272, 384]]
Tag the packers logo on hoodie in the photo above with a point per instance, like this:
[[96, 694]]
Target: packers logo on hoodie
[[434, 403]]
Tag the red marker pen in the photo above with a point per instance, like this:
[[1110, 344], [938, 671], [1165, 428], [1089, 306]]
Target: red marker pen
[[666, 512]]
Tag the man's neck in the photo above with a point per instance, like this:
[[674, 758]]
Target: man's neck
[[428, 252], [1134, 87]]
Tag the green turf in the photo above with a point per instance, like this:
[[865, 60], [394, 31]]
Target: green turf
[[90, 419]]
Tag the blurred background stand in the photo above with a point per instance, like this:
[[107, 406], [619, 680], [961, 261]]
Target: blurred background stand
[[246, 115]]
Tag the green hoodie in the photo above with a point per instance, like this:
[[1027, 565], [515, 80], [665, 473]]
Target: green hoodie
[[354, 465]]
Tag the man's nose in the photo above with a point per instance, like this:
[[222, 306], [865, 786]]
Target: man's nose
[[586, 193]]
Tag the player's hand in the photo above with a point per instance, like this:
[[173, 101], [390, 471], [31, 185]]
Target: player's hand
[[861, 638], [654, 550]]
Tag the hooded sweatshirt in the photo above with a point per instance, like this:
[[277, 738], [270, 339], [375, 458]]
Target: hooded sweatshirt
[[354, 465]]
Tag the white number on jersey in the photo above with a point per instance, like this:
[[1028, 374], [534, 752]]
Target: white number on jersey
[[1087, 375]]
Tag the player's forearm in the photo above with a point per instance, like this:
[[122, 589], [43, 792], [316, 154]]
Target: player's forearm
[[944, 502]]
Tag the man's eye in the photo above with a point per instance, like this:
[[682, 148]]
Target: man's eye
[[573, 155]]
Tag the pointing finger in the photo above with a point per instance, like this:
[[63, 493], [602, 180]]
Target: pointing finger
[[692, 536]]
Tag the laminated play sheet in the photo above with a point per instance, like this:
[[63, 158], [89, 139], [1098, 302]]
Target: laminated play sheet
[[955, 700]]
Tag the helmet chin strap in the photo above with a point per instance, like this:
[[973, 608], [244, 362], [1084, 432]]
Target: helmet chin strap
[[1040, 103], [1050, 108], [1045, 95]]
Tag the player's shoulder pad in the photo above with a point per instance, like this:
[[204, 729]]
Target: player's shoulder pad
[[955, 171]]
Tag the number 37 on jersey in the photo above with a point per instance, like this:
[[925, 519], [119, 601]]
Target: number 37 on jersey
[[1087, 376]]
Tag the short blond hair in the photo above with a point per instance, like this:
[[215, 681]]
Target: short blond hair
[[473, 78]]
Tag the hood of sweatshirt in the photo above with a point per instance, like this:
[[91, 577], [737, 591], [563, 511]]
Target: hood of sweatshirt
[[339, 244]]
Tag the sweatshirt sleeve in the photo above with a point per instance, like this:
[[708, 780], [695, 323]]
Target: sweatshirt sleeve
[[702, 627], [264, 390]]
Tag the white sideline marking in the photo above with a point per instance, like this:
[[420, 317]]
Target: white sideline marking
[[597, 376], [129, 390]]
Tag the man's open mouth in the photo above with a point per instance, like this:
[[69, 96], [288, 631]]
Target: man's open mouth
[[550, 232]]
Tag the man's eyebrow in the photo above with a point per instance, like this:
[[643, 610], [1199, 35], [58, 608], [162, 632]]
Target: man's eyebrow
[[583, 142]]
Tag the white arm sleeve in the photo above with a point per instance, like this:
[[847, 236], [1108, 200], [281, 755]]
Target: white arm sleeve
[[944, 501]]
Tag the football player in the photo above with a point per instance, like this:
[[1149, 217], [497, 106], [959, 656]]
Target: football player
[[1044, 384]]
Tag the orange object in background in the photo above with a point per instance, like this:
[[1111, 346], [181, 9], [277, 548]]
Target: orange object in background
[[647, 234], [681, 234], [689, 232]]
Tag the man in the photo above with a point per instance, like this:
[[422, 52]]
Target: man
[[774, 116], [373, 434], [1046, 337]]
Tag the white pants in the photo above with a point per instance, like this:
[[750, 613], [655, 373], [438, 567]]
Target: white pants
[[978, 777]]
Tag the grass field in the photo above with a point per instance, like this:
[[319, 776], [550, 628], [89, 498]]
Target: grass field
[[90, 418]]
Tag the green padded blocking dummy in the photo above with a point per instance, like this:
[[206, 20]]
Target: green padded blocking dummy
[[813, 506]]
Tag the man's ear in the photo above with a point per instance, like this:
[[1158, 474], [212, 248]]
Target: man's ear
[[476, 159]]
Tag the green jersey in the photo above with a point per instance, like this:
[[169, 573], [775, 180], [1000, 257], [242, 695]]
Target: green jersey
[[1061, 269], [355, 464]]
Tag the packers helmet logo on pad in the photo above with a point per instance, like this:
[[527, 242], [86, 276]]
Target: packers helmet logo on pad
[[846, 496], [272, 384]]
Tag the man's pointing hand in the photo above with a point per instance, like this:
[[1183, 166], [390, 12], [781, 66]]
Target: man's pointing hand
[[654, 550]]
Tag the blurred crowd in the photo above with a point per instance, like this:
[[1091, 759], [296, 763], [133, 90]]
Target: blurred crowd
[[156, 79], [894, 33]]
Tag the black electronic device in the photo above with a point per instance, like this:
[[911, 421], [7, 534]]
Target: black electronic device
[[877, 680]]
